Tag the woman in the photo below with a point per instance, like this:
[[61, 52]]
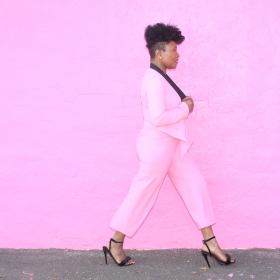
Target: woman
[[162, 148]]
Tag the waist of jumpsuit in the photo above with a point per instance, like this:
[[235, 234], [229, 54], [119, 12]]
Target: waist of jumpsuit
[[167, 132]]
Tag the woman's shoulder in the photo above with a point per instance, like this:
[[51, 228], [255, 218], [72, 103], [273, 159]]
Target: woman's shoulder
[[152, 82], [152, 76]]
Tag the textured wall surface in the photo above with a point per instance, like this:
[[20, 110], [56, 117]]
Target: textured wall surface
[[70, 113]]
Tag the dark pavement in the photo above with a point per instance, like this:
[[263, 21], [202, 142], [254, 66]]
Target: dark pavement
[[151, 264]]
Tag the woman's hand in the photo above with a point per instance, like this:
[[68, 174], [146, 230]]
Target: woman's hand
[[189, 101]]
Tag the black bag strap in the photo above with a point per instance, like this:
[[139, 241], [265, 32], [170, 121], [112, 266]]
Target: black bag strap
[[168, 79]]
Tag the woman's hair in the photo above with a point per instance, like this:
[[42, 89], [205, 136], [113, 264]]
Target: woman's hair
[[159, 34]]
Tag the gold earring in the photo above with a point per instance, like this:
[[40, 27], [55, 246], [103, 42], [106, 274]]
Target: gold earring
[[159, 57]]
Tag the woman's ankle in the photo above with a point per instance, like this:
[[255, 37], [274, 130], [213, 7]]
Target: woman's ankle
[[119, 236]]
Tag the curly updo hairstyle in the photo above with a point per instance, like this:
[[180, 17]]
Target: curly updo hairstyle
[[159, 34]]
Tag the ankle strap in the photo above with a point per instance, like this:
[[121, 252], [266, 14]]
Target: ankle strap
[[204, 242], [114, 242]]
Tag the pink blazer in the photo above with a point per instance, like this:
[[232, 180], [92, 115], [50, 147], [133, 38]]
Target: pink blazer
[[163, 109]]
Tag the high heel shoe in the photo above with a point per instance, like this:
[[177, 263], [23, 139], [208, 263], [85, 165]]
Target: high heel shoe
[[108, 251], [205, 255]]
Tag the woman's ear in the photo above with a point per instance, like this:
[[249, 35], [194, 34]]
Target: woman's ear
[[158, 54]]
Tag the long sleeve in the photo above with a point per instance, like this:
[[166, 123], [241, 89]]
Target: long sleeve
[[158, 114]]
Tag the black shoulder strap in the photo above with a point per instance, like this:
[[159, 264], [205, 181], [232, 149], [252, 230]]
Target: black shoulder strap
[[168, 79]]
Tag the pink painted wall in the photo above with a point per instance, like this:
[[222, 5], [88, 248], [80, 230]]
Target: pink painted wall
[[70, 113]]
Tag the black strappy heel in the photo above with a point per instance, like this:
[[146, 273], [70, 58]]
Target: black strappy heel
[[205, 255], [108, 251]]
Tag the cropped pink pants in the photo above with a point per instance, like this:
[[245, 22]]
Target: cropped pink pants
[[159, 155]]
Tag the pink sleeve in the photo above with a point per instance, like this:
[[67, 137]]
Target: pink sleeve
[[156, 105]]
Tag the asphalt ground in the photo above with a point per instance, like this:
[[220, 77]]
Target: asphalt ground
[[151, 264]]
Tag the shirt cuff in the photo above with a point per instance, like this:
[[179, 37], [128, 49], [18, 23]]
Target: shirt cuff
[[185, 109]]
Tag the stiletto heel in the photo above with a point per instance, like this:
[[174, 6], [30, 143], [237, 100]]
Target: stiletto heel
[[105, 254], [205, 255], [108, 251]]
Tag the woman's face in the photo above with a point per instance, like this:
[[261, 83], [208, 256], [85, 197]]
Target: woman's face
[[170, 56]]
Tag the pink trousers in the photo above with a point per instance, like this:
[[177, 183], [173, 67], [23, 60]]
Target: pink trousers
[[159, 155]]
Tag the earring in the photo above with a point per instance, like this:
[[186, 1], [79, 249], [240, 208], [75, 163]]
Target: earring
[[159, 57]]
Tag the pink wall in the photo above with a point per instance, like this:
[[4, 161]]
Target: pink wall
[[70, 113]]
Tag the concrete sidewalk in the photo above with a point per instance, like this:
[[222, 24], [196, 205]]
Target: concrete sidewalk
[[151, 264]]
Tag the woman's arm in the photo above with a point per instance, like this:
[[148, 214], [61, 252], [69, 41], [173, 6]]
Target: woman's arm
[[156, 105]]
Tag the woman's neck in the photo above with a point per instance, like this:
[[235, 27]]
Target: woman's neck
[[159, 65]]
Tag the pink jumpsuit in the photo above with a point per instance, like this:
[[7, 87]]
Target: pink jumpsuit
[[162, 149]]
